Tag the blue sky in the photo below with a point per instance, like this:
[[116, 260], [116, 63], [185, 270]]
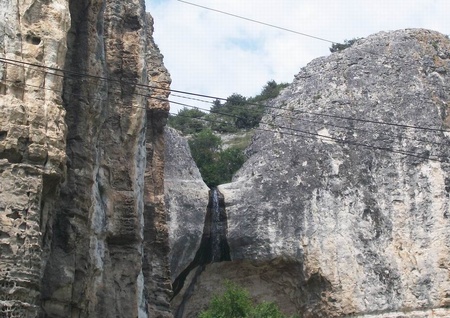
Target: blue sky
[[215, 54]]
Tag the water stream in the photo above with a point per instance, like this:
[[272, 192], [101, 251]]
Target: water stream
[[213, 247], [219, 245]]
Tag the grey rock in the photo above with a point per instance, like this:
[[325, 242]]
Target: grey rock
[[186, 201], [358, 210]]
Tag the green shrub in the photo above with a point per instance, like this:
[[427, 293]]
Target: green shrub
[[269, 91], [266, 310], [188, 121], [236, 302], [336, 47], [237, 113], [216, 166]]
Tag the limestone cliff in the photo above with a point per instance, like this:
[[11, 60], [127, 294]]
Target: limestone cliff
[[331, 216], [82, 219], [186, 202]]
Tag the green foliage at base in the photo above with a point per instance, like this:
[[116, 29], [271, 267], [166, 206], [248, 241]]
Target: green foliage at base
[[236, 302]]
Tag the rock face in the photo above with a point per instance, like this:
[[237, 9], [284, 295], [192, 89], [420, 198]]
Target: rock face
[[32, 145], [186, 202], [331, 216], [82, 218]]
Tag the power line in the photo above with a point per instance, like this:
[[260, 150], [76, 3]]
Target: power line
[[300, 119], [313, 121], [312, 135], [144, 86], [315, 135], [305, 134], [259, 22]]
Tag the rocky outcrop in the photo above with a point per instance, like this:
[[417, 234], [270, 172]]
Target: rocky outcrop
[[332, 216], [186, 202], [83, 229], [32, 145]]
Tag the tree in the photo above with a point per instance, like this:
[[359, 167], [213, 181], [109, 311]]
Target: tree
[[244, 114], [229, 161], [270, 90], [236, 113], [204, 147], [337, 47], [216, 105], [216, 166], [236, 100], [188, 121]]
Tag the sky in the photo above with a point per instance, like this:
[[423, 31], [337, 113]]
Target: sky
[[214, 54]]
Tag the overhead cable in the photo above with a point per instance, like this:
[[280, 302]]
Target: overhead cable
[[312, 135], [150, 87], [259, 22], [293, 132]]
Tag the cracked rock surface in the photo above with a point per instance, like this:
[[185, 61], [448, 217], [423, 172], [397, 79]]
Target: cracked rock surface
[[332, 217], [82, 219], [354, 210]]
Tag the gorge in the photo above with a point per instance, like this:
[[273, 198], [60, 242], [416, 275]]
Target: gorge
[[341, 209]]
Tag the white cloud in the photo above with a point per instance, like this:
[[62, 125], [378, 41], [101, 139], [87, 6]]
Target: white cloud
[[214, 54]]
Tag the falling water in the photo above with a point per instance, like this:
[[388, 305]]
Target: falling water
[[213, 247], [218, 229]]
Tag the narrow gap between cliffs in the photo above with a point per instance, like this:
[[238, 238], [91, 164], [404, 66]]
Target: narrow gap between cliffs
[[213, 247]]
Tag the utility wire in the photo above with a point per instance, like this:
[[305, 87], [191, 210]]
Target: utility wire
[[144, 86], [315, 135], [259, 22], [353, 129], [312, 135], [305, 134]]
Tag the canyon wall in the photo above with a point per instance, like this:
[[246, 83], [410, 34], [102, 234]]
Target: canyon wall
[[83, 230], [332, 216], [186, 202]]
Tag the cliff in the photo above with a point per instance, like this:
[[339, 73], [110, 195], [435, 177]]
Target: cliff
[[186, 202], [332, 216], [82, 218]]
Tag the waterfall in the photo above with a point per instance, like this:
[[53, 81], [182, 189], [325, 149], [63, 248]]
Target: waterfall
[[219, 245], [213, 247]]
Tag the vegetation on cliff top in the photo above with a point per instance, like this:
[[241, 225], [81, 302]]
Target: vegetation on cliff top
[[238, 115], [337, 47]]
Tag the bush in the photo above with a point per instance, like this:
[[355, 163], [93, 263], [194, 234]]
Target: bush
[[236, 302], [237, 113], [269, 91], [216, 166], [267, 310], [336, 47], [229, 161], [188, 121]]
